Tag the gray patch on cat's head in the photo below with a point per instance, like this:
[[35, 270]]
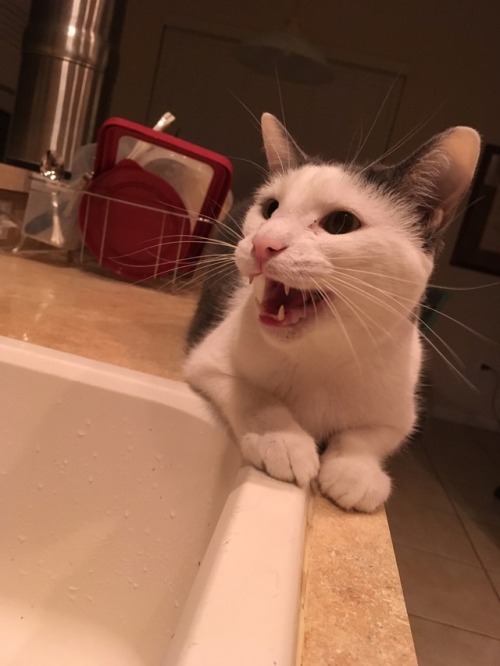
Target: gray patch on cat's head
[[412, 183], [431, 182]]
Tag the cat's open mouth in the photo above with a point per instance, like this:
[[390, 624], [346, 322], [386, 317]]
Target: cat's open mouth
[[281, 305]]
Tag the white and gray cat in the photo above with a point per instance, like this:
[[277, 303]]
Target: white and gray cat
[[312, 354]]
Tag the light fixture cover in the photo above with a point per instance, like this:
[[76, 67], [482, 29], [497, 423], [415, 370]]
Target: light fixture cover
[[286, 54]]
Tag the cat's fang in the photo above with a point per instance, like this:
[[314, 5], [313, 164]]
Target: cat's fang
[[281, 313], [250, 279], [287, 289], [259, 288]]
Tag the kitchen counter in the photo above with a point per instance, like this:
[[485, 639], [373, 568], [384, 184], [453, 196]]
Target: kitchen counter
[[353, 610]]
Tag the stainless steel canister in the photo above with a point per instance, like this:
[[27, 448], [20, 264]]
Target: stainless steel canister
[[65, 53]]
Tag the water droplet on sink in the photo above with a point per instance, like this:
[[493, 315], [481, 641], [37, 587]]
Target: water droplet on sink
[[22, 538], [172, 513], [126, 513], [81, 433]]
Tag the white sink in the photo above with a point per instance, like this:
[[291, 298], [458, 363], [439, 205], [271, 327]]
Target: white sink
[[130, 533]]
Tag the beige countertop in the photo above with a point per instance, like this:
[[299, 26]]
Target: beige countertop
[[353, 608]]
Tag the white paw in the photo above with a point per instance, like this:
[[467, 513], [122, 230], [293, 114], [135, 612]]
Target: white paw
[[354, 482], [287, 456]]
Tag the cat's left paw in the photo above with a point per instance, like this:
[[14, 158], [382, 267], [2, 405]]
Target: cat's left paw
[[354, 482], [288, 456]]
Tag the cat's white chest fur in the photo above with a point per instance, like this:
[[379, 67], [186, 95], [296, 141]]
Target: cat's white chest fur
[[326, 383]]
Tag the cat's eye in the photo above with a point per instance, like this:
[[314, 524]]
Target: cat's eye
[[340, 222], [269, 207]]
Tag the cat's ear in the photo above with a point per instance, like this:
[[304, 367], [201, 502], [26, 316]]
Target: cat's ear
[[441, 171], [281, 150]]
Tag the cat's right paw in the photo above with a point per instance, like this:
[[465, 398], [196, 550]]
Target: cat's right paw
[[354, 482], [283, 455]]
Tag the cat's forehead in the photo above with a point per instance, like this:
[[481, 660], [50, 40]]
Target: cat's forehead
[[326, 186], [319, 189]]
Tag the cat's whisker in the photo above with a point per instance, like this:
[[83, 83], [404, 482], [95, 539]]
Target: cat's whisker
[[428, 307], [430, 284], [362, 290], [258, 166], [358, 312], [206, 272], [255, 120], [401, 142], [348, 282], [441, 354], [474, 288], [209, 264], [436, 311], [385, 276], [362, 313], [280, 94], [449, 363], [328, 301], [215, 278], [348, 160], [158, 259], [173, 241], [408, 311], [377, 116], [185, 263], [209, 271]]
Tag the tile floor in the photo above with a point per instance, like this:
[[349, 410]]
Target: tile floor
[[445, 524]]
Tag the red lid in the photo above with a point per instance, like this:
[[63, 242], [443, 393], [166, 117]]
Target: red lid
[[114, 129]]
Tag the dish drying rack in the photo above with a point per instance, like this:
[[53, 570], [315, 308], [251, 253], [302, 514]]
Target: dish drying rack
[[143, 215]]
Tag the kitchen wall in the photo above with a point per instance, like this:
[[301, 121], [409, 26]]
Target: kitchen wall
[[447, 51]]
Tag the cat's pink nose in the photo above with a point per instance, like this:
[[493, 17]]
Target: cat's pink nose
[[266, 247]]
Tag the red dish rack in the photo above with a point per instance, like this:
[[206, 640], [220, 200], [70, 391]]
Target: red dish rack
[[152, 201]]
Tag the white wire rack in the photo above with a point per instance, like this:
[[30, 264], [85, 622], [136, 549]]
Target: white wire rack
[[135, 241]]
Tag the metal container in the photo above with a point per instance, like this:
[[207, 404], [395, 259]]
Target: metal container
[[65, 52]]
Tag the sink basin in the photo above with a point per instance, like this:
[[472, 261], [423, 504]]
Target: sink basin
[[131, 533]]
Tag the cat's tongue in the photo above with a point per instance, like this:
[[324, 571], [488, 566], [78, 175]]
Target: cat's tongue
[[280, 305]]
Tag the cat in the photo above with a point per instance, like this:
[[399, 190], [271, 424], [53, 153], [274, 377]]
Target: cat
[[311, 354]]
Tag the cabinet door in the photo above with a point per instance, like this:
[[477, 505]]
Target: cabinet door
[[218, 102]]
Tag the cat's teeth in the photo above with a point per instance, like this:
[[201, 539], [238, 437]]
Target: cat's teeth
[[287, 289], [250, 279], [281, 313], [259, 288]]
